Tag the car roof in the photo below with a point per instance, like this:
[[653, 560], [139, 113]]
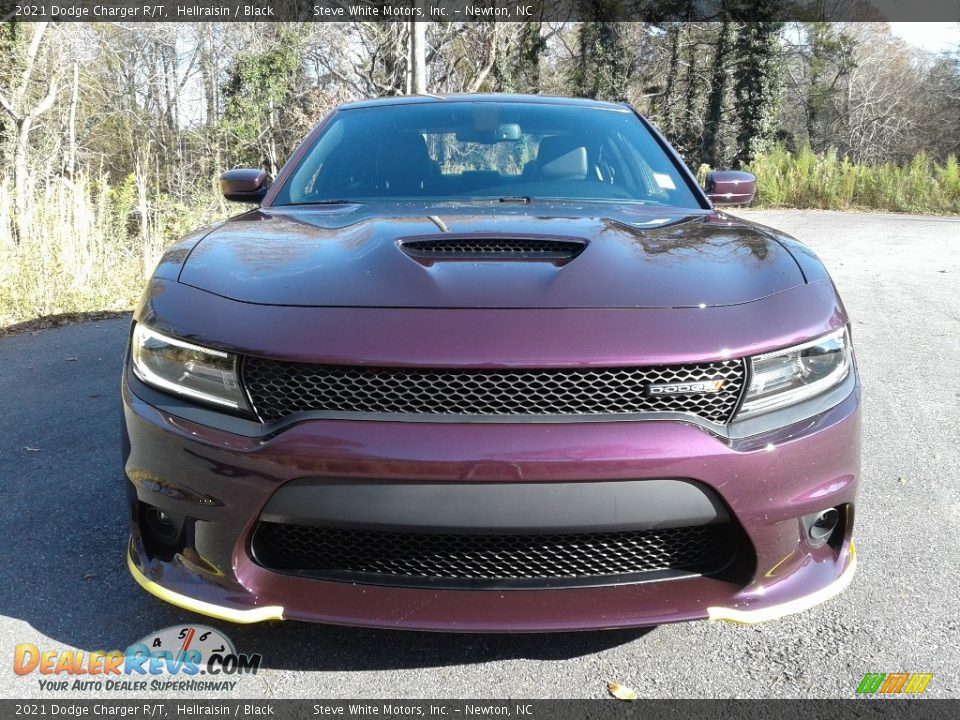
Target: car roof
[[485, 98]]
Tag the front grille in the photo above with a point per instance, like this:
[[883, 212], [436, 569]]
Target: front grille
[[278, 389], [501, 560], [493, 249]]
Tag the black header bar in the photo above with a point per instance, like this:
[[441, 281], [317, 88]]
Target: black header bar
[[189, 709], [478, 10]]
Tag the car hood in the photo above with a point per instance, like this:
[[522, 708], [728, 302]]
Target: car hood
[[354, 256]]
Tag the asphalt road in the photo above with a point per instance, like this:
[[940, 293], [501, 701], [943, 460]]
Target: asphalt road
[[64, 584]]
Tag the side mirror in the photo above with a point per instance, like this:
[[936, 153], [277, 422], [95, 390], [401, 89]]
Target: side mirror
[[244, 185], [731, 187]]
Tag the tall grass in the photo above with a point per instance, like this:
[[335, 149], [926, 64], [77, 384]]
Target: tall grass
[[807, 180], [85, 245]]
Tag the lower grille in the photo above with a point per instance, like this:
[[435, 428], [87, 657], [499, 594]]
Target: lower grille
[[501, 561], [278, 389]]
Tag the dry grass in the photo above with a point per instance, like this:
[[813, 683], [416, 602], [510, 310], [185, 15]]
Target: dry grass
[[827, 182], [806, 180], [85, 246]]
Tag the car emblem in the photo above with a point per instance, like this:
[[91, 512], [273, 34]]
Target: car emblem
[[686, 388]]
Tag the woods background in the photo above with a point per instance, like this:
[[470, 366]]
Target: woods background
[[112, 136]]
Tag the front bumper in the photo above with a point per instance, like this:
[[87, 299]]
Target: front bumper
[[222, 482]]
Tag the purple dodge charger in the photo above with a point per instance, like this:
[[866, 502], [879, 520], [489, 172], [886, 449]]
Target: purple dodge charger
[[490, 363]]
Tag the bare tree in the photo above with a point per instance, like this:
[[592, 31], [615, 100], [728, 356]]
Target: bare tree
[[24, 111], [466, 54]]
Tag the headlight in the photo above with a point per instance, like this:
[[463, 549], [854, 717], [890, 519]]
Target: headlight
[[786, 377], [188, 370]]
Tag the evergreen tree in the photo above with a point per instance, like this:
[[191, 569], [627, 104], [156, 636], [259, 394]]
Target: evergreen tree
[[831, 59], [601, 71], [256, 92], [711, 154], [520, 71], [757, 87]]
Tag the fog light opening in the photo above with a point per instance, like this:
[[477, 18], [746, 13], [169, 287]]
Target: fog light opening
[[161, 531], [822, 526], [161, 524]]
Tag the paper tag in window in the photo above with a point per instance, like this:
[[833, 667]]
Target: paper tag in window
[[664, 181]]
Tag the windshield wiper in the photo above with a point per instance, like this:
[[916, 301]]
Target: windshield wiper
[[328, 202], [528, 199], [608, 201], [454, 199]]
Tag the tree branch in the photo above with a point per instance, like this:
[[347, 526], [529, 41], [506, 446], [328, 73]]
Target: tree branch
[[45, 104], [30, 59], [4, 103]]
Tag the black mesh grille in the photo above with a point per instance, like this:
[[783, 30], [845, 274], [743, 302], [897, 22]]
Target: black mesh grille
[[340, 553], [493, 248], [279, 389]]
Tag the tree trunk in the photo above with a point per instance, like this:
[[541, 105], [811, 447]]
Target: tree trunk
[[417, 61], [690, 149], [532, 47], [756, 90], [208, 71], [71, 163], [20, 206], [718, 89], [666, 104]]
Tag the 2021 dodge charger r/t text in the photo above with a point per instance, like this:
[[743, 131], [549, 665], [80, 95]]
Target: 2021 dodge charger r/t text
[[490, 363]]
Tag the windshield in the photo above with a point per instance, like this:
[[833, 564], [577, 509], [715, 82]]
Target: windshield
[[450, 151]]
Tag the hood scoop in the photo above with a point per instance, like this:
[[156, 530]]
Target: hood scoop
[[446, 248]]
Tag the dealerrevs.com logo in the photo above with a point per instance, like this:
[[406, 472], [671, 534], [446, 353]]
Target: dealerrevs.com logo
[[190, 658]]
